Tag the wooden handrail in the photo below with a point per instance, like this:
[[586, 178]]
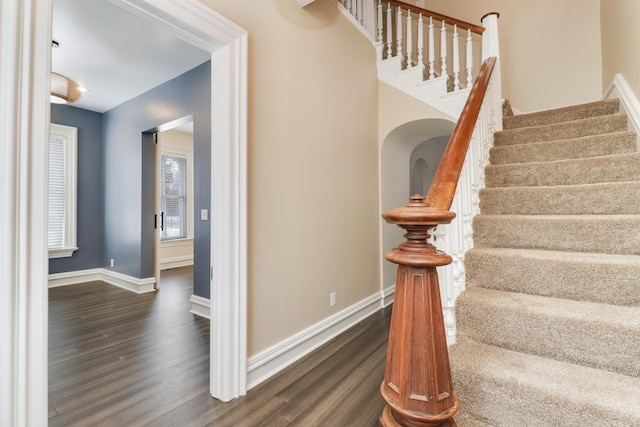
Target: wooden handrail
[[477, 29], [444, 182]]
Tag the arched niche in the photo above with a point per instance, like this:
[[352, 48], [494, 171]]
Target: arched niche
[[410, 152]]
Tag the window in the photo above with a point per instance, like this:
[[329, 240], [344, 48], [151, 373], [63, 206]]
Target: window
[[62, 191], [174, 184]]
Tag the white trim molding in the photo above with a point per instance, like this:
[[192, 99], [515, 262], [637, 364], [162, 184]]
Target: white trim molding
[[274, 359], [175, 262], [25, 43], [133, 284], [198, 24], [387, 295], [200, 306], [619, 88]]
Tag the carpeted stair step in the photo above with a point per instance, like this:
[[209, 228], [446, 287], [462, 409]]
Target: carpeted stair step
[[567, 130], [588, 146], [615, 168], [599, 278], [587, 199], [596, 335], [563, 114], [611, 234], [508, 389]]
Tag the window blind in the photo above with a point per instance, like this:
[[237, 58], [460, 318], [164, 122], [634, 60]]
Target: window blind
[[56, 193], [174, 196]]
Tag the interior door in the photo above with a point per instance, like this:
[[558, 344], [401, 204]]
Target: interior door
[[157, 206]]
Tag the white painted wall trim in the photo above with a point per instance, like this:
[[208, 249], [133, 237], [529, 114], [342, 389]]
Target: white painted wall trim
[[274, 359], [175, 262], [303, 3], [387, 295], [200, 306], [133, 284], [25, 43], [203, 27], [619, 88]]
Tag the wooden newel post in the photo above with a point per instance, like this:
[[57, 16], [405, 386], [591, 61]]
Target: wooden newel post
[[417, 382]]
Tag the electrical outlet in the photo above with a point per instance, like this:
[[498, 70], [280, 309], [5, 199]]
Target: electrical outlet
[[111, 262], [420, 3], [332, 299]]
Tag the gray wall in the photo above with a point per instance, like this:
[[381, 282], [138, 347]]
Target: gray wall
[[89, 206], [115, 177], [128, 178]]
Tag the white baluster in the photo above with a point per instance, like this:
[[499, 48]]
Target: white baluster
[[420, 61], [432, 50], [359, 11], [443, 50], [380, 24], [456, 60], [409, 41], [389, 31], [399, 32], [469, 59]]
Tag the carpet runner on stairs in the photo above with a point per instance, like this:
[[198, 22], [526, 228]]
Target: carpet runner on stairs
[[549, 326]]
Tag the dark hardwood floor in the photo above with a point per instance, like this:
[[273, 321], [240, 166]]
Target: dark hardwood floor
[[121, 359]]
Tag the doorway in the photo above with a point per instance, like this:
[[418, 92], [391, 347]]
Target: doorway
[[173, 198], [26, 40]]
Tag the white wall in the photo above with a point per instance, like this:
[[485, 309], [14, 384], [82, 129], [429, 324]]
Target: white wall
[[620, 22], [550, 49]]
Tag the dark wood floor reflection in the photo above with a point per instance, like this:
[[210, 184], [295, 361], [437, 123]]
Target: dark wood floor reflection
[[120, 359]]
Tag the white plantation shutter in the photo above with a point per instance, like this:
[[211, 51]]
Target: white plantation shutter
[[174, 178], [62, 191], [56, 192]]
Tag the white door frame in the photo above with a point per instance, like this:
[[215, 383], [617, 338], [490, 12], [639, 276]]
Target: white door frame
[[25, 41], [201, 26]]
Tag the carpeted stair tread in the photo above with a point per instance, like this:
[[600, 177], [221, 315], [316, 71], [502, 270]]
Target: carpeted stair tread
[[595, 335], [586, 199], [612, 234], [563, 114], [595, 277], [567, 130], [588, 146], [614, 168], [510, 389]]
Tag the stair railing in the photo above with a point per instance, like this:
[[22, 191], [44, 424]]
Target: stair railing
[[417, 385], [440, 45]]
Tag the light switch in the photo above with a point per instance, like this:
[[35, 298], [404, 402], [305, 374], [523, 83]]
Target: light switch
[[204, 214]]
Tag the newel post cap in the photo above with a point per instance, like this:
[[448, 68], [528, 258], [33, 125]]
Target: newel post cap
[[417, 212]]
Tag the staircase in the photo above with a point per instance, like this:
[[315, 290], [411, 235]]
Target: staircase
[[549, 326]]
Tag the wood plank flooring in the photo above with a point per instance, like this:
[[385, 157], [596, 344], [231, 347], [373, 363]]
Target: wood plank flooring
[[121, 359]]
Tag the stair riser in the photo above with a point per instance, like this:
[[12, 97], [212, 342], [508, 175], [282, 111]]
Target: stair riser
[[567, 172], [597, 234], [574, 112], [592, 146], [574, 335], [575, 129], [608, 281], [597, 199]]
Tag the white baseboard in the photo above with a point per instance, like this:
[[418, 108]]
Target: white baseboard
[[133, 284], [387, 295], [175, 262], [200, 306], [619, 88], [274, 359]]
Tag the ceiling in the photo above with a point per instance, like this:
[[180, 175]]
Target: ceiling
[[114, 53]]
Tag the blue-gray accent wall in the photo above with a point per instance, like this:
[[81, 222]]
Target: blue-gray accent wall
[[90, 223], [128, 222], [115, 177]]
